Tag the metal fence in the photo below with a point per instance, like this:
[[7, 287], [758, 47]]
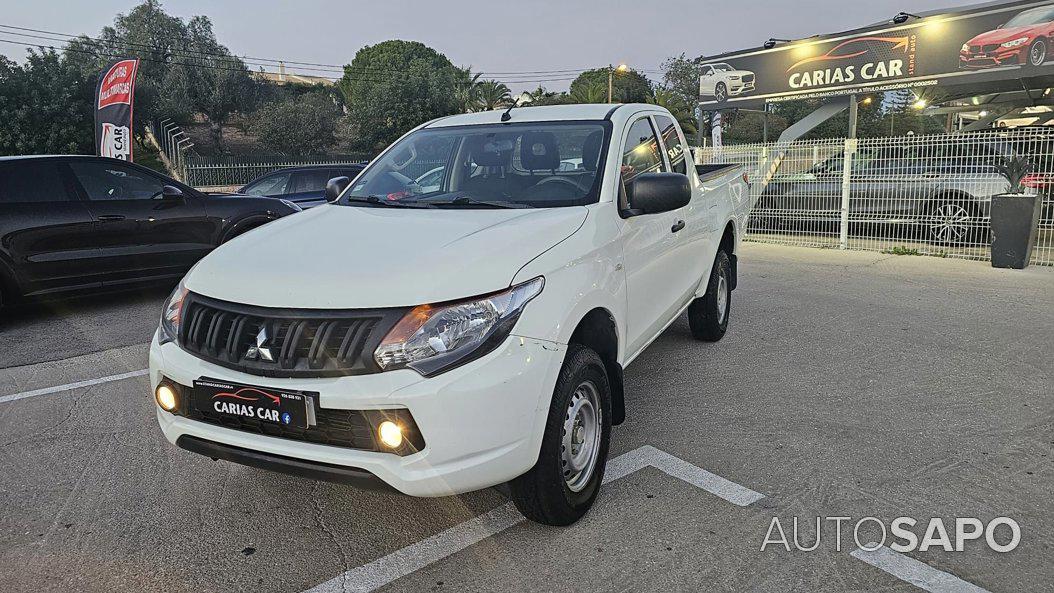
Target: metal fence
[[200, 171], [926, 195], [205, 171]]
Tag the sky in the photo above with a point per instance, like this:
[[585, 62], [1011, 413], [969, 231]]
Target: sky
[[507, 40]]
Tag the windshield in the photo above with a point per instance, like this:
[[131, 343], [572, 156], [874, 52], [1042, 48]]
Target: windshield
[[723, 68], [539, 165], [1031, 17]]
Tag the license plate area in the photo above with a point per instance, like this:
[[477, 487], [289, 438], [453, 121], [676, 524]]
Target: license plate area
[[268, 405]]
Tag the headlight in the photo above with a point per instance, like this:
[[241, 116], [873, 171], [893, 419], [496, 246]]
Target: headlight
[[296, 207], [965, 48], [1015, 42], [171, 314], [433, 338]]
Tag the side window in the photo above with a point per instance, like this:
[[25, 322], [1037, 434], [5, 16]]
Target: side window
[[641, 154], [273, 185], [671, 141], [312, 180], [32, 181], [110, 181]]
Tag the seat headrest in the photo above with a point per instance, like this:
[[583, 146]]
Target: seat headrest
[[591, 150], [538, 150], [491, 151]]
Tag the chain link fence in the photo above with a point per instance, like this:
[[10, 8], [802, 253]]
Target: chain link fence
[[926, 195]]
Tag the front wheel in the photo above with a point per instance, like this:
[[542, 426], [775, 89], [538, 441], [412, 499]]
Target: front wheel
[[721, 92], [1037, 53], [564, 482], [708, 314]]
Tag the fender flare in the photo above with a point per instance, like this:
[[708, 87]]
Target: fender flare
[[243, 225]]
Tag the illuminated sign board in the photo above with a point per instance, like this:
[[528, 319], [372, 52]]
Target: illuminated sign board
[[1004, 42]]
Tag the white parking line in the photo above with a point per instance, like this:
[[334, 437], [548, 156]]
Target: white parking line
[[917, 573], [380, 572], [68, 386]]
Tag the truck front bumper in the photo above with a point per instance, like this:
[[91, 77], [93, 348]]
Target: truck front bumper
[[482, 423]]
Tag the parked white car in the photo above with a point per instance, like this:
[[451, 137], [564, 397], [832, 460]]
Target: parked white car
[[722, 81], [448, 339]]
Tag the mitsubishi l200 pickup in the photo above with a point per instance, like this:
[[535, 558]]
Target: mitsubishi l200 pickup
[[442, 338]]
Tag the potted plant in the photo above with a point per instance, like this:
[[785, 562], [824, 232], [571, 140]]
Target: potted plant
[[1015, 216]]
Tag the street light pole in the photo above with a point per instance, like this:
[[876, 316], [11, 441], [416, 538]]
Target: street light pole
[[611, 76]]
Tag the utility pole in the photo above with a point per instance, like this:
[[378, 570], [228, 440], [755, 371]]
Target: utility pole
[[611, 79]]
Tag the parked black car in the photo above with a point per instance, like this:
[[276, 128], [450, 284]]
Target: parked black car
[[82, 222], [306, 186]]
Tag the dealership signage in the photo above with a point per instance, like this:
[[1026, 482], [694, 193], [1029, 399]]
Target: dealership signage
[[114, 97], [985, 44]]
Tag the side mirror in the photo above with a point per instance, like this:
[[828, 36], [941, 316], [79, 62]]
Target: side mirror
[[651, 193], [171, 192], [335, 187]]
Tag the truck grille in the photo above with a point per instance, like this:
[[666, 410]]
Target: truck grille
[[275, 342]]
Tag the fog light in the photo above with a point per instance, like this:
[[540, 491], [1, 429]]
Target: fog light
[[390, 434], [166, 397]]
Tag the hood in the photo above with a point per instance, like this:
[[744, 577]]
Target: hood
[[348, 257], [1000, 36]]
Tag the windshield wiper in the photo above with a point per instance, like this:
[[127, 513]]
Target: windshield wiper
[[385, 203], [467, 201]]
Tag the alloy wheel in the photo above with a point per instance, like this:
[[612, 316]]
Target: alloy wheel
[[580, 445], [950, 223], [1038, 53]]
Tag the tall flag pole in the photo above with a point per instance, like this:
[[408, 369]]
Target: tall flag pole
[[114, 97]]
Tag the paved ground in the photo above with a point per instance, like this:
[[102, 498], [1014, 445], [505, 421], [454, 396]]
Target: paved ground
[[850, 384]]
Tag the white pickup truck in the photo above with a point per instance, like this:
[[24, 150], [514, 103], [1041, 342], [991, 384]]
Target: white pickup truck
[[445, 338]]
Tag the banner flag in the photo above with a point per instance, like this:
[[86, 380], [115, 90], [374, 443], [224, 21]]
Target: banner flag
[[114, 96]]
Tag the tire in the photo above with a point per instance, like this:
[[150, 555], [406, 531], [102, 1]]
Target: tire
[[550, 492], [1037, 52], [952, 222], [708, 314], [721, 92]]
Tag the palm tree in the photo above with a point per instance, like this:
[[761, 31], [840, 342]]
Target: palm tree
[[594, 93], [493, 94], [676, 104], [466, 89]]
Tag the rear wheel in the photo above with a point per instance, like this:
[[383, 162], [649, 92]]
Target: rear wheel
[[952, 222], [708, 314], [564, 482]]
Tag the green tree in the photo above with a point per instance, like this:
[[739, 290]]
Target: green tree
[[304, 125], [680, 76], [466, 89], [493, 94], [594, 92], [682, 111], [628, 87], [46, 105], [395, 85]]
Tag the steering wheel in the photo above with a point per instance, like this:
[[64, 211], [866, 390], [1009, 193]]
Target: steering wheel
[[558, 179]]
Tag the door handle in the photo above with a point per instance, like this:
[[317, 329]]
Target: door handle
[[677, 227], [111, 217]]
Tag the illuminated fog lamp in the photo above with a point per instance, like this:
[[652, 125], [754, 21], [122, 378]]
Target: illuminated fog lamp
[[390, 434], [166, 397]]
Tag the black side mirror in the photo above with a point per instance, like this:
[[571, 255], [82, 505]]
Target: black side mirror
[[652, 193], [335, 187], [171, 192]]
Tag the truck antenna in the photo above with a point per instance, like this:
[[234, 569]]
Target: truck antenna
[[507, 116]]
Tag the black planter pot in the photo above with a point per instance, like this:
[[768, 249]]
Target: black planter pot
[[1015, 218]]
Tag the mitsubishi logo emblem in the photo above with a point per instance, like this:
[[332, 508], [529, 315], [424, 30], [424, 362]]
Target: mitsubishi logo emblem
[[260, 350]]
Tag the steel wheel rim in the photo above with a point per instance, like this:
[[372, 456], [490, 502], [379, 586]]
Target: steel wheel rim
[[951, 223], [722, 296], [580, 441]]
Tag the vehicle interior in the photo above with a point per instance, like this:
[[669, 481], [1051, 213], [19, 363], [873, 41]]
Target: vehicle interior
[[540, 166]]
